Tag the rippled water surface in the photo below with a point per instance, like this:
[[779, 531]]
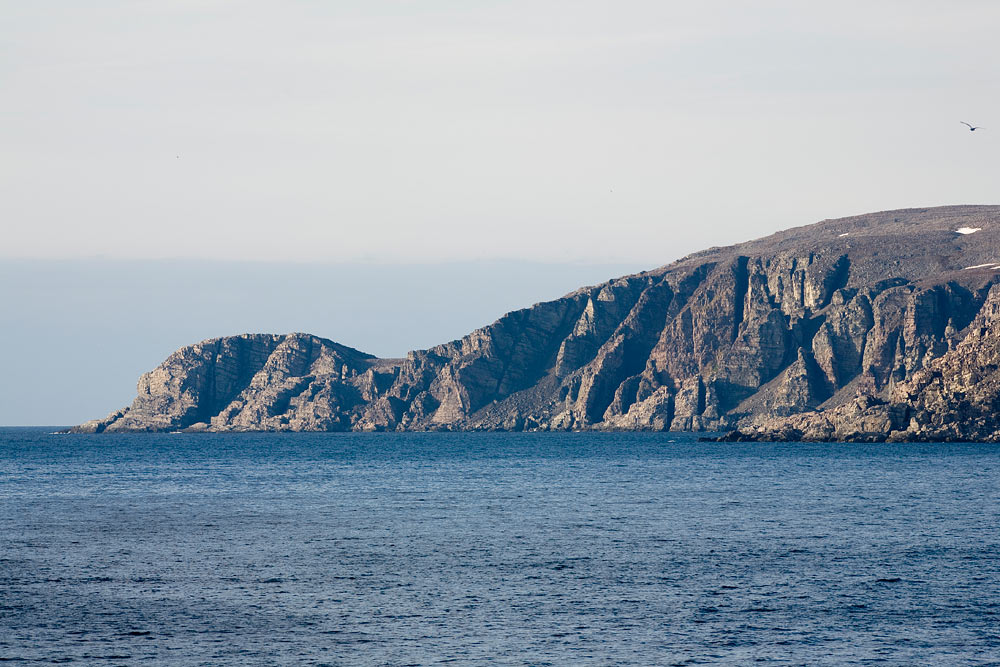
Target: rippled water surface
[[534, 549]]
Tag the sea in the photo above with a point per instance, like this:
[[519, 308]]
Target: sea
[[495, 548]]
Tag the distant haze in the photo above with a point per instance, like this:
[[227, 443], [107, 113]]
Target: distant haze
[[441, 130]]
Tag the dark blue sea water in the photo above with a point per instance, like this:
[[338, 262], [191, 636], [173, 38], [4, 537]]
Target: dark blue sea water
[[521, 549]]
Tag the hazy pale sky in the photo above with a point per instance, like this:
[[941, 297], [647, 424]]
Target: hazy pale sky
[[443, 130]]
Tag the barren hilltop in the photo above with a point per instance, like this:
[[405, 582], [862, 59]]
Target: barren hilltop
[[866, 327]]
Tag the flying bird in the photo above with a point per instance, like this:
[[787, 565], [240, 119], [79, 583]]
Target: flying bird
[[972, 128]]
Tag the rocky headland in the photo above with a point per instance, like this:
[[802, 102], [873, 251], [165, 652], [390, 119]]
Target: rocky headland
[[874, 327]]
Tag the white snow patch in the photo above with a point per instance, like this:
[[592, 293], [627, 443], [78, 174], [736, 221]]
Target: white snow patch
[[992, 265], [967, 230], [844, 234]]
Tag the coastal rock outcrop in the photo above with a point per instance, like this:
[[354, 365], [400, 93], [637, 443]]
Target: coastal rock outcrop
[[833, 318], [956, 397]]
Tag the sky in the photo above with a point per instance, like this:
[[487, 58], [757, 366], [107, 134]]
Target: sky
[[393, 174], [447, 131]]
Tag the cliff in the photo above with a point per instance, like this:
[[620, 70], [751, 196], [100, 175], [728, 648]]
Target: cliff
[[954, 398], [817, 318]]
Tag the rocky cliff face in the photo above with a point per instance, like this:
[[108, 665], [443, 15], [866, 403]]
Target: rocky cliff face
[[810, 318], [955, 397]]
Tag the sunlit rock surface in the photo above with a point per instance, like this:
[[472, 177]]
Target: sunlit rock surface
[[843, 317]]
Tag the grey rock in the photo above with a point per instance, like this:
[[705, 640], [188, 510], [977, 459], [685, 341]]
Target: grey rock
[[955, 397], [812, 331]]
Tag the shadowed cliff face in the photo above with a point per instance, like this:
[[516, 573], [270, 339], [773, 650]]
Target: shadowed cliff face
[[809, 318]]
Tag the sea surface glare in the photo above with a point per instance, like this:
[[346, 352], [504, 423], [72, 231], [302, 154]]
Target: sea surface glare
[[520, 549]]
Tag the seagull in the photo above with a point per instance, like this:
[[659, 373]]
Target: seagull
[[972, 128]]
